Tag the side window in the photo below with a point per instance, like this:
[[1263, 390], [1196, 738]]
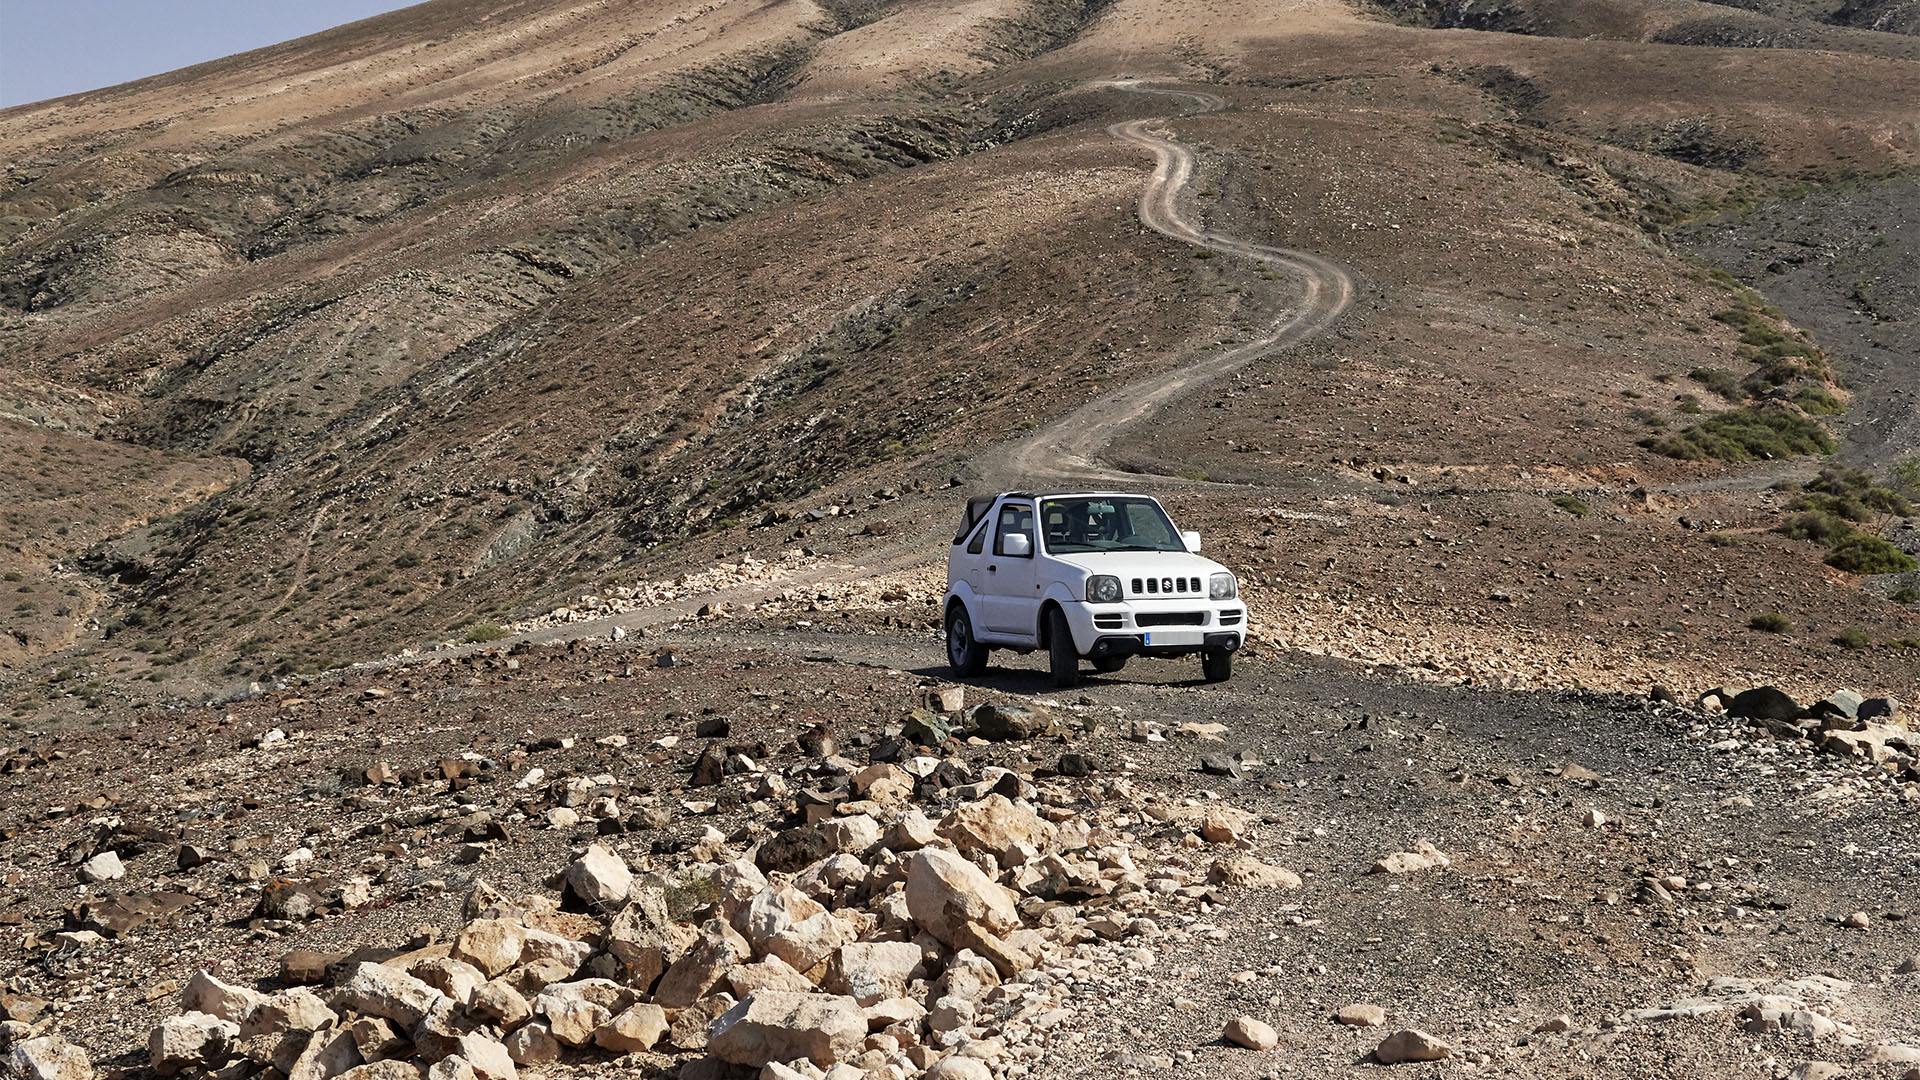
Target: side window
[[1014, 518], [979, 541]]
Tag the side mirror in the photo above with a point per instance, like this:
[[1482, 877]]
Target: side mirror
[[1191, 539], [1017, 545]]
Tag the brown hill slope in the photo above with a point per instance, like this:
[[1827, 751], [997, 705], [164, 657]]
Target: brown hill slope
[[476, 311]]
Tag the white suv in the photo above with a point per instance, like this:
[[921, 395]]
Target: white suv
[[1101, 575]]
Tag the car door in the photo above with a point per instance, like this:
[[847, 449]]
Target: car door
[[1012, 603], [967, 560]]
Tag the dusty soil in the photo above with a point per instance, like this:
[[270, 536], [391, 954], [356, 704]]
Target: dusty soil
[[1352, 767]]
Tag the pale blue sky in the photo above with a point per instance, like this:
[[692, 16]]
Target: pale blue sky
[[49, 48]]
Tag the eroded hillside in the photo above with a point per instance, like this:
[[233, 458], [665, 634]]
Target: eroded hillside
[[446, 318]]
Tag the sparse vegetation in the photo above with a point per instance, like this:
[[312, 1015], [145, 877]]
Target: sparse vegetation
[[1771, 622], [1746, 434], [1852, 638], [1864, 554], [1829, 507], [1572, 504], [1723, 540], [481, 632], [1906, 594]]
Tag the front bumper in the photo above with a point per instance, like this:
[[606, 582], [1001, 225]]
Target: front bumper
[[1143, 645], [1170, 627]]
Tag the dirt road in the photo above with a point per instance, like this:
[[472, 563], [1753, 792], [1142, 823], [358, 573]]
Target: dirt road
[[1067, 450]]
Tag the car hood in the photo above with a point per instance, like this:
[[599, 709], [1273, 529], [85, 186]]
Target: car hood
[[1130, 564]]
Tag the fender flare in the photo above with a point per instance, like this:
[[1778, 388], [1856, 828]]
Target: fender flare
[[1057, 595], [958, 593]]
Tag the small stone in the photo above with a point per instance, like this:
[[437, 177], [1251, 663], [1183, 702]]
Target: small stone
[[1424, 856], [1247, 872], [48, 1057], [1074, 764], [1909, 966], [600, 877], [1593, 819], [499, 1001], [532, 1044], [1362, 1015], [378, 990], [224, 1001], [1859, 920], [1411, 1044], [190, 1041], [1555, 1025], [105, 866], [773, 1025], [494, 946], [1250, 1033], [1221, 765], [958, 1067], [487, 1057], [637, 1029]]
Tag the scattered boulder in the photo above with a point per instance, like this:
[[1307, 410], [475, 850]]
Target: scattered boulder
[[1247, 872], [1361, 1015], [105, 866], [600, 877], [1250, 1033], [1763, 703], [946, 895], [48, 1057], [378, 990], [1411, 1044], [1424, 856], [638, 1028], [491, 945], [774, 1025]]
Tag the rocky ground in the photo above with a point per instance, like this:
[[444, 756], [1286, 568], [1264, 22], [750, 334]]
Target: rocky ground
[[578, 859]]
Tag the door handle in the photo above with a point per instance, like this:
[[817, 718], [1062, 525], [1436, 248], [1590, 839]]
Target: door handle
[[992, 569]]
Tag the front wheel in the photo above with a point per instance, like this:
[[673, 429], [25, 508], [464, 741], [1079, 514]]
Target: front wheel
[[1063, 661], [1216, 667], [965, 654]]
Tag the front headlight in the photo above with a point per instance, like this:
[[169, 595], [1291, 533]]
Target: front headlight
[[1222, 587], [1103, 589]]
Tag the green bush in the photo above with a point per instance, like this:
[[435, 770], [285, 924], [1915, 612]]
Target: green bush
[[1819, 401], [1864, 554], [1723, 540], [1748, 434], [1572, 505], [1772, 622], [1719, 380], [1906, 594], [1688, 403], [483, 632], [1852, 638]]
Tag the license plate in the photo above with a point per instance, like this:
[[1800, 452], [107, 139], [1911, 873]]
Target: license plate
[[1173, 637]]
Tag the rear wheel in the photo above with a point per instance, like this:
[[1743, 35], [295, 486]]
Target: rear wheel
[[1061, 657], [1216, 667], [1107, 665], [965, 654]]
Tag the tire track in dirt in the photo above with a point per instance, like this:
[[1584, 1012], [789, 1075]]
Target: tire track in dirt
[[1068, 448]]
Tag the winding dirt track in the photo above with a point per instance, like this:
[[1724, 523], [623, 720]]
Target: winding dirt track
[[1067, 450]]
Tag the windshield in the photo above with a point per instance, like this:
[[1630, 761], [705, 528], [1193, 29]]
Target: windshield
[[1107, 523]]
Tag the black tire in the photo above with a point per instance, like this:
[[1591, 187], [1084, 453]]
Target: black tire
[[1062, 660], [965, 654], [1107, 665], [1216, 667]]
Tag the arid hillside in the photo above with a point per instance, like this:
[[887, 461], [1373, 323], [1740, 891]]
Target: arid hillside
[[422, 327]]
